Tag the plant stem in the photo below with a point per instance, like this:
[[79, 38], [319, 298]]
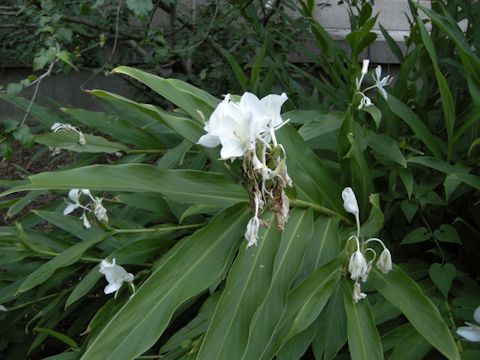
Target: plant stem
[[320, 209], [34, 301], [135, 231]]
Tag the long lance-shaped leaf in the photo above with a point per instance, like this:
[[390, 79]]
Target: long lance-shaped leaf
[[363, 339], [420, 130], [187, 97], [295, 240], [191, 268], [405, 294], [313, 285], [445, 93], [182, 125], [313, 180], [245, 290], [185, 186]]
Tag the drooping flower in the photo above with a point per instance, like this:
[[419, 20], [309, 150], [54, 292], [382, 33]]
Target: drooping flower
[[251, 233], [357, 266], [357, 292], [384, 262], [381, 83], [56, 127], [98, 209], [115, 275], [472, 331]]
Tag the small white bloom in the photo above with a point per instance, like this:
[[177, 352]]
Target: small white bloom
[[369, 268], [384, 262], [357, 293], [251, 234], [56, 127], [365, 64], [357, 266], [86, 223], [74, 203], [115, 275], [472, 331], [99, 211], [381, 83], [350, 201], [3, 308], [365, 101]]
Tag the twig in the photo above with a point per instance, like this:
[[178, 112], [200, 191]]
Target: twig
[[37, 85], [102, 28]]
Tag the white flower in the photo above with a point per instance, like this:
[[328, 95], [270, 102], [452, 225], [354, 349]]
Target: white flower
[[357, 293], [3, 308], [86, 223], [116, 275], [472, 331], [99, 211], [369, 268], [381, 83], [350, 201], [357, 266], [365, 101], [251, 234], [384, 262], [74, 197], [237, 126], [365, 64]]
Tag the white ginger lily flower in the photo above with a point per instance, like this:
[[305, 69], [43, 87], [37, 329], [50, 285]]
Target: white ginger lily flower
[[251, 234], [115, 274], [74, 197], [472, 331], [357, 266], [3, 308], [99, 211], [384, 262], [86, 223], [364, 72], [381, 83], [357, 293], [365, 101], [237, 126]]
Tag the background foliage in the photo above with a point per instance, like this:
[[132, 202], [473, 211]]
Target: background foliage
[[417, 150]]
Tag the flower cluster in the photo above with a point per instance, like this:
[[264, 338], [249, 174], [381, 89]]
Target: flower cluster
[[379, 84], [472, 331], [358, 266], [67, 127], [95, 206], [115, 275], [246, 129]]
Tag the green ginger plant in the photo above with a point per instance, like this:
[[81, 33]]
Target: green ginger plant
[[200, 291]]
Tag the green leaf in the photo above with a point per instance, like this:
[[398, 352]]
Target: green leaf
[[187, 97], [66, 57], [331, 327], [385, 146], [420, 234], [411, 347], [420, 130], [187, 270], [237, 70], [447, 233], [68, 140], [14, 88], [84, 286], [406, 295], [288, 260], [443, 276], [363, 339], [185, 186], [64, 259], [257, 65], [140, 8], [246, 287], [375, 113], [58, 335]]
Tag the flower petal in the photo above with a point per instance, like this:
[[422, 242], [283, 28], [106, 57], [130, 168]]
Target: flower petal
[[470, 333], [273, 104], [231, 149], [476, 315], [69, 209], [208, 140], [112, 287]]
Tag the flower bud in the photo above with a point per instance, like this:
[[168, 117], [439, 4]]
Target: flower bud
[[350, 201], [251, 234], [384, 262], [357, 293], [366, 62]]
